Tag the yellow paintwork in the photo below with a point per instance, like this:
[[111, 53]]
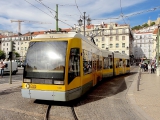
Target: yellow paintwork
[[107, 71], [44, 87], [82, 79]]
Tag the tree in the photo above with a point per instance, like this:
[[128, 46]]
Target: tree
[[17, 54], [2, 55], [145, 25], [153, 23]]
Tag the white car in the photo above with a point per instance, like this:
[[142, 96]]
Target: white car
[[8, 67]]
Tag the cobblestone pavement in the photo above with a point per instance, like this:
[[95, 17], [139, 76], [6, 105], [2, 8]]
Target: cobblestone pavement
[[148, 96], [106, 104], [14, 107], [115, 99]]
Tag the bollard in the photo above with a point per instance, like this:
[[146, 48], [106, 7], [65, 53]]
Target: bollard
[[138, 81]]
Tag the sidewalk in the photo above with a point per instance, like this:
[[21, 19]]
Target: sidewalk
[[147, 100], [6, 86]]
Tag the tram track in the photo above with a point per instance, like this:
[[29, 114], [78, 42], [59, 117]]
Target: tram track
[[74, 113], [46, 116]]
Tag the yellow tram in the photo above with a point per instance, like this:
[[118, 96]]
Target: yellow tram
[[64, 66]]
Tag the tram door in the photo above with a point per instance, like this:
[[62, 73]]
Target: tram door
[[94, 68]]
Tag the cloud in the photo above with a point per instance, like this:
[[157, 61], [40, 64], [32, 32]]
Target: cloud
[[31, 10]]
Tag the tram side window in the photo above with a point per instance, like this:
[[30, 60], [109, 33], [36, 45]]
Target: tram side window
[[105, 63], [87, 62], [117, 63], [110, 63], [120, 63], [74, 64], [100, 62], [98, 66], [128, 63]]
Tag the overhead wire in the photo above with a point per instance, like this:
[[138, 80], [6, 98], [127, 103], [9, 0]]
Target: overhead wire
[[45, 6], [66, 5], [137, 13], [78, 8], [47, 13], [38, 8], [122, 12]]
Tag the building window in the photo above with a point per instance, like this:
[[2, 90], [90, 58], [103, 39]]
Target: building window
[[117, 45], [123, 45], [111, 38], [111, 45], [3, 44], [117, 31], [102, 38], [123, 30], [117, 37], [18, 48], [25, 48], [7, 49], [123, 51], [103, 45], [21, 48], [111, 32], [123, 37]]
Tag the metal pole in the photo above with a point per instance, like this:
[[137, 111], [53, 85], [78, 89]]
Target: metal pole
[[84, 22], [149, 50], [10, 81], [57, 17], [158, 67]]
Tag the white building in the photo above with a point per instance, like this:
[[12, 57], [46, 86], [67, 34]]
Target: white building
[[112, 37], [21, 43], [143, 45]]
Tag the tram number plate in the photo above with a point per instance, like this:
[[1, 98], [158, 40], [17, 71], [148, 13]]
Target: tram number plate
[[33, 86]]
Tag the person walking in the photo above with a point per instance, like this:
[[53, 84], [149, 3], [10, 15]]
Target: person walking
[[2, 68], [149, 68], [152, 68]]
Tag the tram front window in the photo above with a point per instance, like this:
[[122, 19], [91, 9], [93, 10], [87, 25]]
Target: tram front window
[[45, 60]]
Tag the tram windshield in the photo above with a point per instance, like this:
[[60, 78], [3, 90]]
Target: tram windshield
[[45, 60]]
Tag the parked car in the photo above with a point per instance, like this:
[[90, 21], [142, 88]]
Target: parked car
[[19, 63], [8, 67]]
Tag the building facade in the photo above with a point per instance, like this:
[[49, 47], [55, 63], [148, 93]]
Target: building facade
[[112, 37], [145, 43], [21, 43]]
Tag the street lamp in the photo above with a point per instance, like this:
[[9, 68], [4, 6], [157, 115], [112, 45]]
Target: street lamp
[[83, 19], [158, 67]]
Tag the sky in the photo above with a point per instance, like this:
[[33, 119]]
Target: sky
[[39, 15]]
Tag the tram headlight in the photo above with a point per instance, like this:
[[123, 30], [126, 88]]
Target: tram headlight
[[26, 80], [58, 82]]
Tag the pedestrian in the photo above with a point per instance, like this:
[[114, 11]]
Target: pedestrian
[[2, 68], [152, 68], [149, 68]]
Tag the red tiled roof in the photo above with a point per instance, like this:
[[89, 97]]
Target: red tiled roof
[[89, 26], [155, 31], [142, 32], [67, 29], [2, 36]]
